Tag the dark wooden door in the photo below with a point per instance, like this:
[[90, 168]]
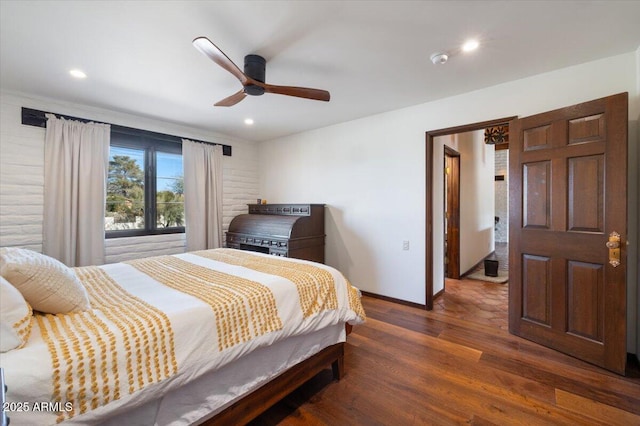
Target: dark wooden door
[[452, 212], [568, 193]]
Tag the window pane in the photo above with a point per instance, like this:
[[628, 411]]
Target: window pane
[[169, 190], [125, 189]]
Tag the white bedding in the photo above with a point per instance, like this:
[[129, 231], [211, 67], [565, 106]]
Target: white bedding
[[146, 337], [208, 395]]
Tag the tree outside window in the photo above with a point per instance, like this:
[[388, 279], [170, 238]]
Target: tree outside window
[[125, 189], [145, 191], [170, 190]]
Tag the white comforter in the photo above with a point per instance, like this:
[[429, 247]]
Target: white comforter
[[159, 323]]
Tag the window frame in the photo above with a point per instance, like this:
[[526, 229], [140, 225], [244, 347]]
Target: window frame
[[150, 144]]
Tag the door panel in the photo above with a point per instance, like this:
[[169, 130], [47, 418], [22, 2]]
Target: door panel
[[536, 138], [536, 285], [568, 191], [536, 186], [586, 197], [586, 129], [585, 314]]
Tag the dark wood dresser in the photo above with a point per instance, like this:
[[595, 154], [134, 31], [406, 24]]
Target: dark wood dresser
[[288, 230]]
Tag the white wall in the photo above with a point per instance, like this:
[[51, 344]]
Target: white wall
[[636, 213], [371, 172], [22, 175], [633, 249], [477, 199]]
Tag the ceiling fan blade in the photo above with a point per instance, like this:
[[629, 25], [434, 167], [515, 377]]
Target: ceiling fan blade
[[212, 51], [232, 100], [300, 92]]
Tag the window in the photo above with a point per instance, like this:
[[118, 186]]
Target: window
[[135, 205], [144, 186], [169, 190]]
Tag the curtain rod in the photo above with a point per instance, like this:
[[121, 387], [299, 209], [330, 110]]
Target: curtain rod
[[34, 117]]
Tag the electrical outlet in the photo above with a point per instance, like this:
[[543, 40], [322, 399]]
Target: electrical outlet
[[405, 245]]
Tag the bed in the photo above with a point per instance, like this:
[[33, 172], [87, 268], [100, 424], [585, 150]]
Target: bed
[[212, 337]]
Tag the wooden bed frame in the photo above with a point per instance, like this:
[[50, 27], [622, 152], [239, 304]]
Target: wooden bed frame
[[261, 399]]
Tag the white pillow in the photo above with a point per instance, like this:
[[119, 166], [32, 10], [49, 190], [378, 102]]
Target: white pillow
[[47, 284], [15, 317]]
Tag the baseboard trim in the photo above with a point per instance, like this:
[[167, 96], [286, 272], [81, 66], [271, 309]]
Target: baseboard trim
[[394, 300], [438, 294]]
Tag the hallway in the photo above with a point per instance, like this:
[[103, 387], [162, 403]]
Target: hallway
[[476, 300]]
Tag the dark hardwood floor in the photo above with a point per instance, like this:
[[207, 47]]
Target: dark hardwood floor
[[457, 365]]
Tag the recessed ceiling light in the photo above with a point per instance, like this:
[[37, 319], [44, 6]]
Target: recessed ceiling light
[[248, 121], [470, 45], [77, 73]]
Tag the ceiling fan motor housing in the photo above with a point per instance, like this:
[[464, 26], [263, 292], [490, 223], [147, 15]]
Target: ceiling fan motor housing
[[254, 67]]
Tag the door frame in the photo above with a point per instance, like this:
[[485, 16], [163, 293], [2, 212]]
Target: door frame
[[429, 180], [452, 204]]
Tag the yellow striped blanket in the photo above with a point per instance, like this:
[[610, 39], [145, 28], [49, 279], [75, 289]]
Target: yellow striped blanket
[[159, 322]]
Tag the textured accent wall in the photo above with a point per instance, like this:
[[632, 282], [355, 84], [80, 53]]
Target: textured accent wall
[[22, 176], [21, 179], [502, 196]]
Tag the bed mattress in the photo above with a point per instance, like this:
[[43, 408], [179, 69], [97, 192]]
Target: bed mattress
[[157, 325]]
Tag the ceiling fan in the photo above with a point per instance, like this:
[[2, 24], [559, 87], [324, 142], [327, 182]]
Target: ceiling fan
[[252, 79]]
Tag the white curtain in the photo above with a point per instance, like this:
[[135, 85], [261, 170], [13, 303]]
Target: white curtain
[[75, 178], [202, 194]]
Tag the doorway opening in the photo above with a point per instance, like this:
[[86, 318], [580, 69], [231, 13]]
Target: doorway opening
[[432, 211]]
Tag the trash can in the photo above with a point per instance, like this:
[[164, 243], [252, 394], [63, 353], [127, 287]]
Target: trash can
[[491, 268]]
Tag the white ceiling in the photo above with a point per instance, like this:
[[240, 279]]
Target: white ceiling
[[373, 56]]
